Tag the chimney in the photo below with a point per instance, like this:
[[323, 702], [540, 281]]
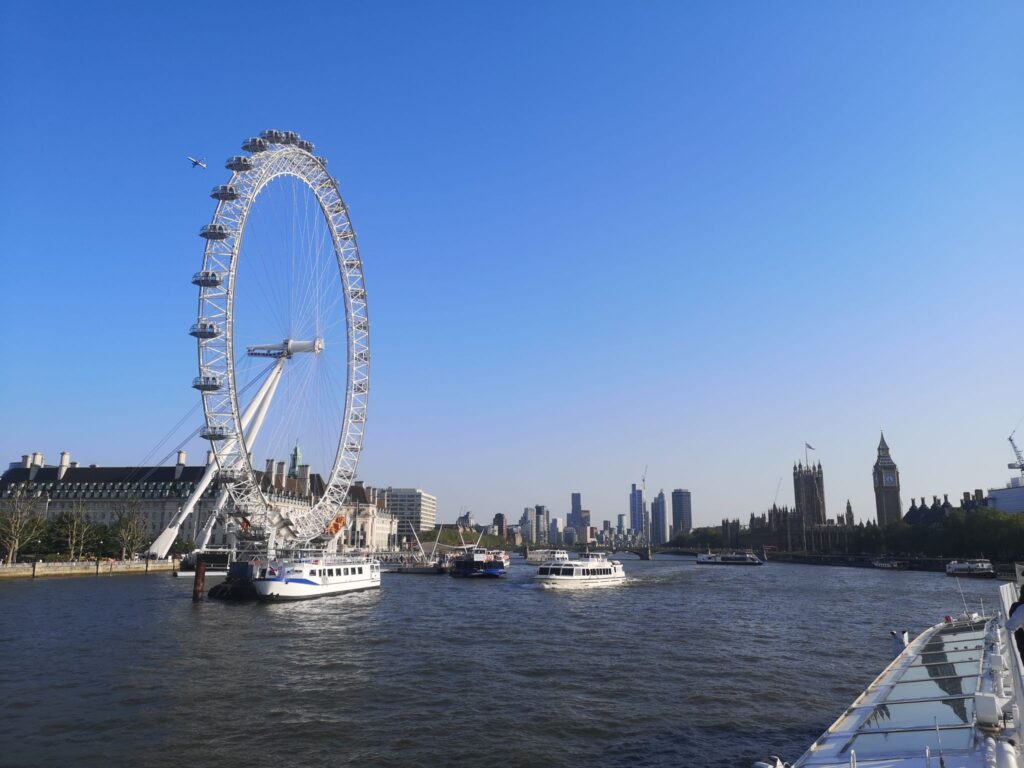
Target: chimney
[[979, 495], [26, 461], [65, 461], [304, 479], [279, 475], [74, 465], [180, 466], [37, 459], [268, 473]]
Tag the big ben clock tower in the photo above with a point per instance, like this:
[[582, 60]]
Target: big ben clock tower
[[887, 487]]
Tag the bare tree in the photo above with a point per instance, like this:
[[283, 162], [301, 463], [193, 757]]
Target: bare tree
[[129, 526], [76, 529], [20, 522]]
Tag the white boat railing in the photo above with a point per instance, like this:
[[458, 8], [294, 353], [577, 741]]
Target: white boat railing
[[1007, 596]]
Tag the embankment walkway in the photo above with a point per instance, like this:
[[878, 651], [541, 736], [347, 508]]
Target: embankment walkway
[[101, 567]]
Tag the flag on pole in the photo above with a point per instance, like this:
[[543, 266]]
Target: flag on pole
[[808, 445]]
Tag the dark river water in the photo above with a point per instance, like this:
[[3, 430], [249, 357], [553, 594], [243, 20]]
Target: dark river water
[[682, 666]]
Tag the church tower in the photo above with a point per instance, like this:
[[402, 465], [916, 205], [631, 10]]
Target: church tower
[[887, 487]]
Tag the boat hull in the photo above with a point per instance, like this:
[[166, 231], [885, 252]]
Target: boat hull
[[303, 589], [477, 573], [572, 582]]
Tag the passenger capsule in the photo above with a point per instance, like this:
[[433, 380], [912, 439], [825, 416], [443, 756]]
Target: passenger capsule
[[205, 329], [224, 192], [289, 137], [208, 279], [305, 145], [215, 433], [272, 136], [208, 383], [255, 144], [215, 232], [239, 163]]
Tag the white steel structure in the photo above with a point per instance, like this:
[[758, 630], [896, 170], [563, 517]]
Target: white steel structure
[[303, 292]]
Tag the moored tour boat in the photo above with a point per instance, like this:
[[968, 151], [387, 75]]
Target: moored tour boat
[[729, 558], [889, 564], [306, 578], [593, 569], [976, 568]]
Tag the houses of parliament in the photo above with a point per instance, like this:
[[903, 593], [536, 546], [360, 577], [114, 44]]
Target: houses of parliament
[[806, 526]]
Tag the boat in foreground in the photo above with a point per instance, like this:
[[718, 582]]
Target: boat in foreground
[[593, 569], [951, 699], [976, 568], [729, 558], [306, 578]]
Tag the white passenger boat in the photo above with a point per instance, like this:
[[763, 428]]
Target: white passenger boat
[[889, 564], [306, 578], [951, 699], [538, 556], [977, 568], [593, 569], [729, 558]]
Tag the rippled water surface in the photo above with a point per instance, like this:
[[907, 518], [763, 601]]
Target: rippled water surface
[[682, 666]]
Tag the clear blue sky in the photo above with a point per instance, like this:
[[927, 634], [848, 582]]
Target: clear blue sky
[[597, 236]]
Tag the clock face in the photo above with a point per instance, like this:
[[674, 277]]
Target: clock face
[[890, 479]]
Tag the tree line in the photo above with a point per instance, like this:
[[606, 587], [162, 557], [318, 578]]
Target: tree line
[[26, 533], [984, 532]]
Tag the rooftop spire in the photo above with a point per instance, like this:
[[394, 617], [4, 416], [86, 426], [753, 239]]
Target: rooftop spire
[[882, 447]]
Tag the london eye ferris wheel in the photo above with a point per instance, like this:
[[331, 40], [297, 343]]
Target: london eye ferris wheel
[[282, 311]]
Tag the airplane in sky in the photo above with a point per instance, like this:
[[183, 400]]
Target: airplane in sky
[[195, 162]]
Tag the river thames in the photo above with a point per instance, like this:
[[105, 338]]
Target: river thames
[[681, 666]]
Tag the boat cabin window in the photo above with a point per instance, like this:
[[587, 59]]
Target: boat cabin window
[[360, 569], [346, 571], [544, 570]]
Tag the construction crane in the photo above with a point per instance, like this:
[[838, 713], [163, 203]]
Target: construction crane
[[1019, 464]]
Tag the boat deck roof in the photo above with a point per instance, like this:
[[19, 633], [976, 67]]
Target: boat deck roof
[[924, 700]]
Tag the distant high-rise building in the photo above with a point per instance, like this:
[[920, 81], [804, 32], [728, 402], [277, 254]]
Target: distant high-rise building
[[682, 513], [528, 525], [620, 527], [576, 501], [413, 507], [543, 522], [636, 509], [888, 506], [555, 532], [501, 524], [659, 519], [809, 493]]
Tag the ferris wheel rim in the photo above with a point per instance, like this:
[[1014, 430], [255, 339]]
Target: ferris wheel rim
[[273, 155]]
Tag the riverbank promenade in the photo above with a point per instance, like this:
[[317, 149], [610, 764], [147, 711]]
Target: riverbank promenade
[[101, 567]]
